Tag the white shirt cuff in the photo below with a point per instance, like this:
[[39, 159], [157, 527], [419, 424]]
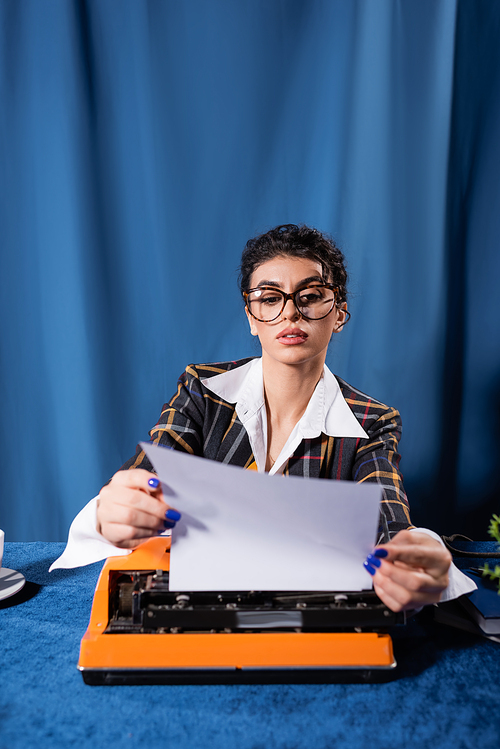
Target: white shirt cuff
[[85, 544]]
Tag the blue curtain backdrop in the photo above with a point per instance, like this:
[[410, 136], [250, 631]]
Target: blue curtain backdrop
[[142, 143]]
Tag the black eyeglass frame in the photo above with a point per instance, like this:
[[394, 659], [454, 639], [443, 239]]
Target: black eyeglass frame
[[293, 296]]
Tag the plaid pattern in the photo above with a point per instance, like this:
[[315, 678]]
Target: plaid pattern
[[199, 422]]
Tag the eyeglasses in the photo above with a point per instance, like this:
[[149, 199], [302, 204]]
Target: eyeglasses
[[266, 303]]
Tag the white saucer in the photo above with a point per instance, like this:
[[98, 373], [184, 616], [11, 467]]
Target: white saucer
[[10, 582]]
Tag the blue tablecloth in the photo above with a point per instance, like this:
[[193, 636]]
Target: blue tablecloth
[[447, 694]]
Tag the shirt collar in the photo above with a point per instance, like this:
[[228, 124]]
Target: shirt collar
[[327, 412]]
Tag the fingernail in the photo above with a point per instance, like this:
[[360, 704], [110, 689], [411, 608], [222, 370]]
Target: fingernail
[[369, 568], [154, 483], [373, 560], [381, 553], [168, 524], [173, 515]]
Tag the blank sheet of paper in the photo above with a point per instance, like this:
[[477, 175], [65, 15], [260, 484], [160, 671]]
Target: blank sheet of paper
[[243, 530]]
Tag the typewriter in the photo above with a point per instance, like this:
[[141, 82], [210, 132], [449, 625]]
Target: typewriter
[[140, 632]]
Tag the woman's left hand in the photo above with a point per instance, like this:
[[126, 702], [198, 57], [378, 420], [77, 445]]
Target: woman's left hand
[[410, 571]]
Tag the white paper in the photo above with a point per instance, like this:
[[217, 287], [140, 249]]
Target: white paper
[[243, 530]]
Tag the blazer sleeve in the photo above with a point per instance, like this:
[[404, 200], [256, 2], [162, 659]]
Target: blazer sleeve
[[377, 460], [180, 425]]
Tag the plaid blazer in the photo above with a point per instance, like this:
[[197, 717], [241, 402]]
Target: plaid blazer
[[197, 421]]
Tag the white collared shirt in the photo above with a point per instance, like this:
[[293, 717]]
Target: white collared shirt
[[327, 411]]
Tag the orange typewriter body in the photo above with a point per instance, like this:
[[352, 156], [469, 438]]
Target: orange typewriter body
[[116, 650]]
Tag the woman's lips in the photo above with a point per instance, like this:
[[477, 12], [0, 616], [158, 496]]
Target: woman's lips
[[292, 337]]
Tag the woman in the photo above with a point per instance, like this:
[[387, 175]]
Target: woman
[[287, 413]]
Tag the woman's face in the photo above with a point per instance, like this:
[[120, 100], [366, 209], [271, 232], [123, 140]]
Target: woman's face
[[291, 338]]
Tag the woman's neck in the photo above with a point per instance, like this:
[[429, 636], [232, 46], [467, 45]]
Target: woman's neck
[[288, 387], [287, 392]]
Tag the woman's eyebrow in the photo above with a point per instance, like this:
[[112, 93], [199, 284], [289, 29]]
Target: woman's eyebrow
[[304, 282]]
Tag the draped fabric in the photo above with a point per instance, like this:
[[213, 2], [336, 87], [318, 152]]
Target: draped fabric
[[142, 142]]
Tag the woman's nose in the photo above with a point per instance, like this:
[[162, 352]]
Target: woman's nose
[[290, 311]]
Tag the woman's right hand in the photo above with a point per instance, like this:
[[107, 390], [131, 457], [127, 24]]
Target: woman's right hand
[[131, 508]]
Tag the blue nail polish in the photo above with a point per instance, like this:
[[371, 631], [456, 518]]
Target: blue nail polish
[[173, 515], [369, 568], [168, 524], [154, 483], [373, 560], [382, 553]]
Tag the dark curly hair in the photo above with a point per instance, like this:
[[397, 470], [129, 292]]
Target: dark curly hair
[[290, 240]]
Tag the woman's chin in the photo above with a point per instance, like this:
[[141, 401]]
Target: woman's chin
[[299, 354]]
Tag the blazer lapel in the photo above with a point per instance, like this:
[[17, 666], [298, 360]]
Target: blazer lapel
[[313, 458], [235, 447]]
